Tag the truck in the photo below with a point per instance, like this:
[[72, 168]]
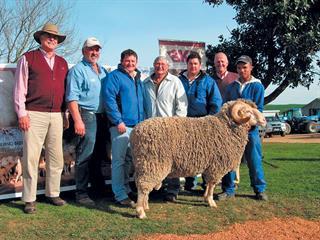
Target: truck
[[275, 126], [300, 123]]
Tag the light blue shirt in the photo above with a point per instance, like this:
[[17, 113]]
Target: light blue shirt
[[84, 86]]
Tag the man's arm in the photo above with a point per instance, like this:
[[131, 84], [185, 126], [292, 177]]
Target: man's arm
[[73, 92], [110, 91], [79, 126], [181, 100], [20, 93], [214, 98]]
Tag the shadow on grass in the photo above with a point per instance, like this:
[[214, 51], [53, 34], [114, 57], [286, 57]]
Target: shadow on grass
[[297, 159], [103, 203]]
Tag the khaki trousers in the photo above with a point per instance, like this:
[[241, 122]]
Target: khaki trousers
[[45, 129]]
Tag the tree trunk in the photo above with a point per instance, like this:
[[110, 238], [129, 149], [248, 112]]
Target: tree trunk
[[272, 96]]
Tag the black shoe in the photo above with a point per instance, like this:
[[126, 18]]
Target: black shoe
[[133, 196], [261, 196], [30, 207], [126, 203], [224, 196], [170, 197], [57, 201]]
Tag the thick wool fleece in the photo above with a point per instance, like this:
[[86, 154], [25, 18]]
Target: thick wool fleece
[[181, 147]]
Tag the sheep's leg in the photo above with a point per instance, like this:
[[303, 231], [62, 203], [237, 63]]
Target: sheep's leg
[[208, 196], [140, 204], [206, 192], [146, 202], [158, 186]]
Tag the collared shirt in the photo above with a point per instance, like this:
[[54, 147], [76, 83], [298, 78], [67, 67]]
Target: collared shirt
[[169, 100], [84, 86], [191, 80], [224, 80], [21, 79], [252, 90]]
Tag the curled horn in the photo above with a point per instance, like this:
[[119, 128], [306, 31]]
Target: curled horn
[[259, 117], [239, 114]]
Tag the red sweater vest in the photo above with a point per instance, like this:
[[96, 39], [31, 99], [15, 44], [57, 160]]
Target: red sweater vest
[[46, 87]]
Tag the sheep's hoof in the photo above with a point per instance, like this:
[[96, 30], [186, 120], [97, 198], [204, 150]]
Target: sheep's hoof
[[212, 203], [141, 214]]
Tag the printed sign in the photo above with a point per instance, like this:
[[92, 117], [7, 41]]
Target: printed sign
[[177, 52]]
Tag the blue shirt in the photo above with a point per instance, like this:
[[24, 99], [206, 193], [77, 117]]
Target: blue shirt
[[84, 86], [203, 95], [252, 90], [123, 98]]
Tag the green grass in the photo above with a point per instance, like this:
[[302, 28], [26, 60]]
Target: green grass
[[292, 172], [282, 107]]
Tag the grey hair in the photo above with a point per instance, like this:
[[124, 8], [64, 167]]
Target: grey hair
[[160, 58]]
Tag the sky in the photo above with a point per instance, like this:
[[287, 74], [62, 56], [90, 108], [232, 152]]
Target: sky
[[139, 24]]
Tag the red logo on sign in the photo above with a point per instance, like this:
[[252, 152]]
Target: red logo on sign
[[178, 55]]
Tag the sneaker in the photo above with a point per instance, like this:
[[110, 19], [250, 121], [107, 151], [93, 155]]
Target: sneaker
[[170, 197], [30, 207], [224, 196], [86, 201], [57, 201], [261, 196], [126, 203]]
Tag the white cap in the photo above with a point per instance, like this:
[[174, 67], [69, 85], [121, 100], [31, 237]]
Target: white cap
[[90, 42]]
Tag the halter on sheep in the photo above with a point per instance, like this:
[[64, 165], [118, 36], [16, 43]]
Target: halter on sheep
[[180, 147]]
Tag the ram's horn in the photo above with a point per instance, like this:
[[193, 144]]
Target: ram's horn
[[239, 113], [259, 117]]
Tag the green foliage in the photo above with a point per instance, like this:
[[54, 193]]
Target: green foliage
[[292, 173], [282, 107], [282, 37]]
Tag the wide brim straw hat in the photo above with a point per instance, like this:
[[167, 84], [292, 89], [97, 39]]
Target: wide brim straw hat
[[49, 28]]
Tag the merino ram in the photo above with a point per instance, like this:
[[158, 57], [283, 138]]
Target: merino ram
[[181, 147]]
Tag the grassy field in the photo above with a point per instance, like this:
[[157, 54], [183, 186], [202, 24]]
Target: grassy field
[[292, 172]]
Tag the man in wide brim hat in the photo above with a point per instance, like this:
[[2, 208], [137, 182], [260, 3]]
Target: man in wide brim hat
[[50, 29], [39, 103]]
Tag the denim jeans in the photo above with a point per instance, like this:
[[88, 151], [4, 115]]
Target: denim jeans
[[84, 152], [253, 156], [121, 163]]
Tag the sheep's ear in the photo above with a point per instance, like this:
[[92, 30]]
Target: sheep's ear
[[239, 112]]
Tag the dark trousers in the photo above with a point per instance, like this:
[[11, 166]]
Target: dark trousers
[[101, 155]]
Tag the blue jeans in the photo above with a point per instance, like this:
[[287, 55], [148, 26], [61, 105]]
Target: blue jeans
[[253, 155], [121, 163], [84, 150]]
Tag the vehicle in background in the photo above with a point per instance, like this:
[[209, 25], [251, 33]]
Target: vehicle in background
[[300, 123], [275, 126]]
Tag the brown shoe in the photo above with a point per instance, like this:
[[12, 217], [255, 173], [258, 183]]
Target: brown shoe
[[86, 201], [126, 203], [57, 201], [30, 207]]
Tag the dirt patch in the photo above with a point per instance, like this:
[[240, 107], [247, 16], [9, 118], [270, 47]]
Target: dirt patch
[[294, 138], [276, 229]]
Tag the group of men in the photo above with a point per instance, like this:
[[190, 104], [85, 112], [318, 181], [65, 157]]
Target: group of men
[[106, 107]]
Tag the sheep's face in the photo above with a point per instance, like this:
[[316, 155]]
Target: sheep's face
[[246, 113]]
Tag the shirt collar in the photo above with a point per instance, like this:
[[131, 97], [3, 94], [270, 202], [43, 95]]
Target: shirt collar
[[222, 76], [45, 53]]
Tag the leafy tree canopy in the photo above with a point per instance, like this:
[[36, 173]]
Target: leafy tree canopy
[[281, 36]]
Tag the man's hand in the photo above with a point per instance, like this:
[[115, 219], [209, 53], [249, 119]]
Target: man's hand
[[66, 122], [24, 123], [79, 128], [121, 128]]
